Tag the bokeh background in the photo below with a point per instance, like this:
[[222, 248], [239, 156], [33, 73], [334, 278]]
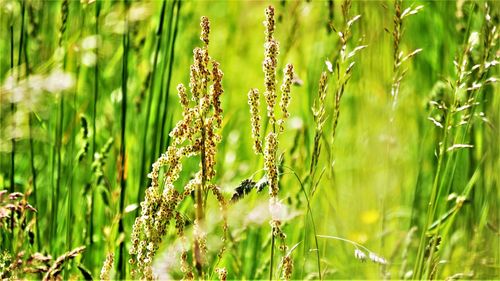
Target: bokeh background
[[384, 157]]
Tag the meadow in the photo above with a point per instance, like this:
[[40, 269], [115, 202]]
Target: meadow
[[249, 140]]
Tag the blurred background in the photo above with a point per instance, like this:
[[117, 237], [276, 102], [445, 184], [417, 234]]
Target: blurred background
[[64, 121]]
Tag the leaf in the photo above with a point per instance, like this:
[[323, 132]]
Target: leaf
[[353, 20], [85, 272]]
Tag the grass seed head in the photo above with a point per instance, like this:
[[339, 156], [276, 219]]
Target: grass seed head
[[254, 102]]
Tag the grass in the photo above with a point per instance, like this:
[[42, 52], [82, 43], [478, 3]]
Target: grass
[[403, 184]]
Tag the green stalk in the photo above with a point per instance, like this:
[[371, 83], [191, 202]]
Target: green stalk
[[199, 201], [158, 39], [94, 132], [438, 180], [13, 141], [59, 126], [309, 212], [123, 184], [272, 258], [162, 145], [32, 151], [159, 104]]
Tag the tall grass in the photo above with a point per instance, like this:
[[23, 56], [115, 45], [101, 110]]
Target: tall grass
[[378, 147]]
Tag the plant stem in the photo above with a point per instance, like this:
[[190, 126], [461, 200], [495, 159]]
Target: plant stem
[[94, 132], [169, 77], [158, 39], [123, 184], [32, 151], [13, 141], [199, 201]]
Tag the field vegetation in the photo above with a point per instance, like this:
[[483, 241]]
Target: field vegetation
[[249, 140]]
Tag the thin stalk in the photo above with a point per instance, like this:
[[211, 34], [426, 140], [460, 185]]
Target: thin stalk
[[123, 184], [309, 211], [199, 200], [94, 132], [159, 104], [60, 123], [169, 77], [13, 141], [272, 258], [437, 183], [70, 162], [32, 151], [159, 34]]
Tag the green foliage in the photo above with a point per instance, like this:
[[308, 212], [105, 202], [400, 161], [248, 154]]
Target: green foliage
[[406, 178]]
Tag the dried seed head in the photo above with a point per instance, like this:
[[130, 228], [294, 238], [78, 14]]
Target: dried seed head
[[270, 163], [270, 63], [269, 23], [222, 272], [57, 267], [205, 30], [216, 92], [269, 66], [287, 266], [181, 91], [254, 102], [107, 266], [285, 90]]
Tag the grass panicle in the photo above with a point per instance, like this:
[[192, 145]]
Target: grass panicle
[[194, 135]]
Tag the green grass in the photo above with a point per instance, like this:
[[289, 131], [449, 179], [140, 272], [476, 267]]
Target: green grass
[[377, 170]]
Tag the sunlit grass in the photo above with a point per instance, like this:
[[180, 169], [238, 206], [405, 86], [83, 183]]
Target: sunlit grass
[[387, 165]]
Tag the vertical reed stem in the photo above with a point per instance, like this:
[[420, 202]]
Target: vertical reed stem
[[158, 39], [12, 111], [169, 77], [123, 184], [94, 132]]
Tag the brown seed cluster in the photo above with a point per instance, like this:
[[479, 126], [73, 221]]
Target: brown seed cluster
[[287, 267], [285, 92], [222, 272], [195, 135], [270, 163], [107, 266], [270, 64], [270, 144], [254, 102]]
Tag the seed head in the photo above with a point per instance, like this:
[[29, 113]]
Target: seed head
[[269, 23], [205, 30], [254, 102], [222, 272], [181, 91], [270, 163], [287, 265], [285, 91], [106, 268]]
